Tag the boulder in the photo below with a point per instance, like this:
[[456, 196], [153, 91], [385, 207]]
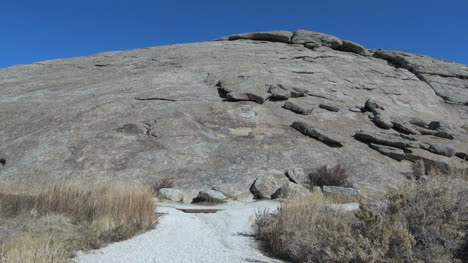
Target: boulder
[[210, 196], [290, 190], [266, 185], [272, 36], [386, 139], [299, 108], [172, 194], [297, 175], [442, 149], [318, 134], [392, 152]]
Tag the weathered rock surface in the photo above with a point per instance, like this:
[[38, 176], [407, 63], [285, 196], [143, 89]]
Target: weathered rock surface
[[272, 36], [403, 127], [329, 107], [201, 113], [315, 133], [172, 194], [381, 119]]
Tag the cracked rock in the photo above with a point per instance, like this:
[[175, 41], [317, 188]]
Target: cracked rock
[[404, 128], [297, 175], [386, 139], [392, 152], [245, 88], [290, 190], [371, 105], [381, 119], [318, 134]]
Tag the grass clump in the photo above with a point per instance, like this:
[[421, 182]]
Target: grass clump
[[331, 176], [420, 221], [94, 214]]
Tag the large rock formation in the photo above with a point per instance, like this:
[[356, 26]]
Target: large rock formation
[[211, 114]]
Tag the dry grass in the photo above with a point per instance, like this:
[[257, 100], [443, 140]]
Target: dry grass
[[98, 213], [421, 221], [25, 249], [330, 176]]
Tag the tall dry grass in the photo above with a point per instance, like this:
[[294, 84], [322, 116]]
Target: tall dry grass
[[423, 220], [108, 211], [28, 249]]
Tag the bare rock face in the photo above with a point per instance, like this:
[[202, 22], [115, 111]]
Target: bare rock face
[[267, 185], [210, 115]]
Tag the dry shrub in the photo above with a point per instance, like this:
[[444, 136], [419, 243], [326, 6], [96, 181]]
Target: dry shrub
[[421, 221], [331, 176], [28, 249]]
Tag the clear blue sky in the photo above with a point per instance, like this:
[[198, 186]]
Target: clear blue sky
[[34, 30]]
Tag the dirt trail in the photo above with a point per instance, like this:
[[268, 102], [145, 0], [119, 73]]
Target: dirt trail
[[181, 237]]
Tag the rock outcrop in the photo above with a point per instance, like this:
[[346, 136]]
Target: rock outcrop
[[210, 115]]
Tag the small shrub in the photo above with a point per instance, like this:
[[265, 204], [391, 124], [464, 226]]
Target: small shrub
[[331, 176]]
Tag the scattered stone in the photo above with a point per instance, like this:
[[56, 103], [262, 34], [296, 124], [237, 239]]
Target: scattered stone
[[329, 107], [315, 133], [386, 139], [290, 190], [445, 135], [442, 149], [349, 46], [392, 152], [298, 108], [210, 196], [272, 36], [297, 175], [404, 127], [462, 155], [355, 109], [439, 125], [172, 194], [267, 184], [408, 137], [372, 105], [381, 119]]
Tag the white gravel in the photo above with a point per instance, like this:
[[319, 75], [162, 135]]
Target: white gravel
[[181, 237]]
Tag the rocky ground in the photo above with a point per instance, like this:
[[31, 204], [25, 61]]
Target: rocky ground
[[224, 114]]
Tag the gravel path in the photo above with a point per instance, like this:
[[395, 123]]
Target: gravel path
[[224, 236]]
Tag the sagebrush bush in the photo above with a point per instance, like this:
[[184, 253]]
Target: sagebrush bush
[[420, 221], [331, 176]]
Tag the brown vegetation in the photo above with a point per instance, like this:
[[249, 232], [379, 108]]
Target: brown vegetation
[[330, 176], [421, 221], [80, 215]]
